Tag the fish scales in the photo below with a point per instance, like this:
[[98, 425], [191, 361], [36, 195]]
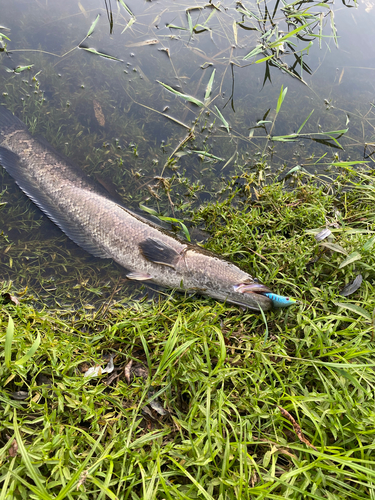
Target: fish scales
[[87, 214]]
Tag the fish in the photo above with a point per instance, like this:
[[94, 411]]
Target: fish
[[85, 212]]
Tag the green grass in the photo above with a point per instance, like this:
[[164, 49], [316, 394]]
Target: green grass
[[210, 366]]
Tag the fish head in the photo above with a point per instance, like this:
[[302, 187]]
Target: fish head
[[246, 294], [250, 294], [214, 276]]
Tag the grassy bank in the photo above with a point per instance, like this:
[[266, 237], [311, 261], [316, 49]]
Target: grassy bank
[[206, 400]]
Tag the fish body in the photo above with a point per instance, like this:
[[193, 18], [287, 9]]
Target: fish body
[[106, 229]]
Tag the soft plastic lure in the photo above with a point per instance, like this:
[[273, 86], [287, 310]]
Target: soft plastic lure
[[280, 300]]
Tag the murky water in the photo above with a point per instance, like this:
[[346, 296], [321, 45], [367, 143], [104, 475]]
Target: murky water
[[101, 100]]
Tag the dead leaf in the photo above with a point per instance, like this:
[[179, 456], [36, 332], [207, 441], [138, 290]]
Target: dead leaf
[[156, 405], [296, 427], [145, 42], [96, 370], [127, 371], [13, 450], [10, 298], [99, 115], [341, 75], [82, 479], [166, 50]]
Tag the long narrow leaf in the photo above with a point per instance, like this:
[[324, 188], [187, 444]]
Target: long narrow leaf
[[42, 492], [99, 484], [264, 59], [190, 23], [288, 35], [258, 50], [281, 98], [126, 8], [184, 96], [225, 123], [350, 258], [209, 155], [304, 123], [72, 484], [94, 51], [34, 489], [130, 23], [209, 85], [92, 27], [8, 342], [3, 493], [176, 221], [30, 352], [357, 309]]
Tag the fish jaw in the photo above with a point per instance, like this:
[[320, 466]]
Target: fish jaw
[[208, 274], [254, 301]]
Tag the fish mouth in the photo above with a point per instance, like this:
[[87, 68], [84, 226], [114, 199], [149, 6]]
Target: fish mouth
[[254, 293], [252, 288]]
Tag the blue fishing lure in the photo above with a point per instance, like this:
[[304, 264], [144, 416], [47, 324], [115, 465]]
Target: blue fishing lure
[[280, 300]]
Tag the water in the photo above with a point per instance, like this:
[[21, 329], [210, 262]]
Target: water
[[117, 121]]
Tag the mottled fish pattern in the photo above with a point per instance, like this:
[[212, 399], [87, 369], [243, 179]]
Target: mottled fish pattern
[[87, 215]]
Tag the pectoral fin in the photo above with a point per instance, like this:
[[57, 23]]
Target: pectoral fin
[[159, 252], [139, 276]]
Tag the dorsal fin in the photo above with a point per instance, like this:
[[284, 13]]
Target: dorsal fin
[[159, 252]]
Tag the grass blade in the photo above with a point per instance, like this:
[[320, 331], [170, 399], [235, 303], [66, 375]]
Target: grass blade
[[288, 35], [209, 85], [225, 123], [350, 258], [130, 23], [8, 342], [177, 221], [8, 476], [209, 155], [258, 50], [264, 59], [40, 490], [304, 123], [235, 32], [94, 51], [281, 98], [72, 484], [126, 8], [149, 210], [190, 23], [184, 96], [205, 494], [174, 27], [104, 489], [357, 309], [92, 27], [30, 352]]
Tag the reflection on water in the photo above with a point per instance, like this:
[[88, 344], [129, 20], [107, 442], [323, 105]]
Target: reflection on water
[[113, 116]]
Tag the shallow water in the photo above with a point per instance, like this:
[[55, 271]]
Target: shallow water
[[115, 119]]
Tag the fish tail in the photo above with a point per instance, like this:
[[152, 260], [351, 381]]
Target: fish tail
[[8, 121]]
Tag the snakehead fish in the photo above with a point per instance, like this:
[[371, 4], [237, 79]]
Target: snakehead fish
[[88, 216]]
